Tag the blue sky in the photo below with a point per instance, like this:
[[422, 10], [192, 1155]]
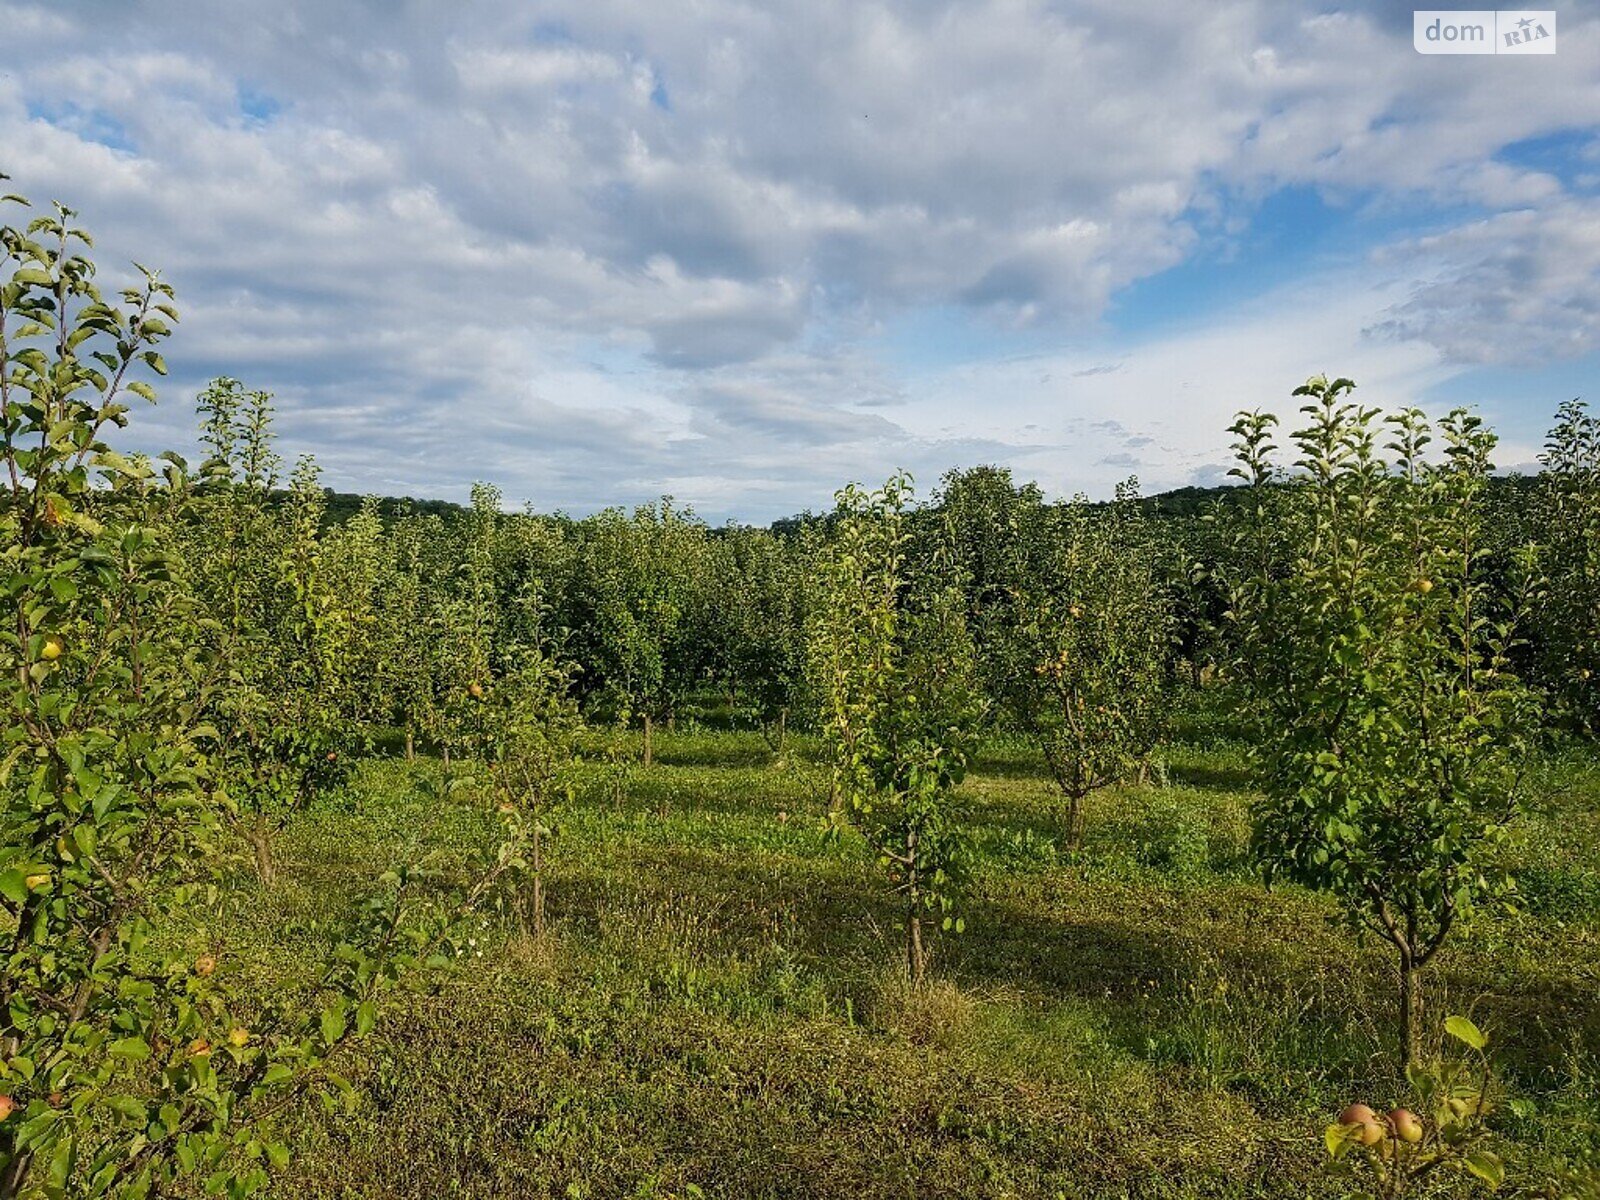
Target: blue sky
[[745, 252]]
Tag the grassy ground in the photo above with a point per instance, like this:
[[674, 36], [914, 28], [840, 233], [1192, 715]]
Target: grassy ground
[[716, 1010]]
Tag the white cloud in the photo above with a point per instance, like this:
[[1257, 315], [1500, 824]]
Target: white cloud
[[1518, 287]]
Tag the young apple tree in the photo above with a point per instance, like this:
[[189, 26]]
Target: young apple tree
[[1567, 621], [998, 534], [1096, 627], [405, 637], [767, 594], [526, 731], [467, 615], [894, 670], [630, 596], [1374, 652], [130, 1059]]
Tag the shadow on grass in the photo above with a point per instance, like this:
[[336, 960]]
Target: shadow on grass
[[1210, 774]]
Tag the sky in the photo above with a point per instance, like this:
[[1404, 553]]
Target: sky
[[745, 251]]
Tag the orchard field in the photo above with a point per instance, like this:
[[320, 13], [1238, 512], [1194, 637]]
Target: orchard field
[[976, 844], [716, 1005]]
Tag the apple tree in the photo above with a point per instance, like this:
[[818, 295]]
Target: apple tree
[[894, 671], [130, 1058], [1374, 650], [1567, 620], [997, 534], [406, 645], [1096, 630], [631, 593], [766, 592], [524, 743], [281, 626]]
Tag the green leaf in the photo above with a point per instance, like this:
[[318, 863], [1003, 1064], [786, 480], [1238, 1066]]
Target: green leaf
[[134, 1049], [128, 1107], [1487, 1166], [1464, 1030], [333, 1023], [13, 886]]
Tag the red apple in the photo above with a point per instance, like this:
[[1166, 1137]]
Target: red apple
[[1406, 1126], [1364, 1119]]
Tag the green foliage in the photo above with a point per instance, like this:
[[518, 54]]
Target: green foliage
[[635, 584], [1376, 657], [1566, 621], [998, 535], [127, 1060], [756, 612], [1171, 836], [894, 667], [279, 625], [525, 730], [1096, 632]]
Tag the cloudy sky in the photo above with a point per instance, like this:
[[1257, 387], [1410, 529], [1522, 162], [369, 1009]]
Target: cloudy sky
[[742, 251]]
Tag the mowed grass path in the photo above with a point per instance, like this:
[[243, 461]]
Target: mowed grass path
[[717, 1008]]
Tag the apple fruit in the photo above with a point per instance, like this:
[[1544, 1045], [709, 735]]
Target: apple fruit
[[7, 1107], [35, 882], [204, 965], [1364, 1119], [475, 690], [52, 648], [1406, 1126], [199, 1048], [1422, 586], [238, 1037]]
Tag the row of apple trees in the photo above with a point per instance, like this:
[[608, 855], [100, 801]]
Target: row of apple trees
[[1394, 625], [181, 646]]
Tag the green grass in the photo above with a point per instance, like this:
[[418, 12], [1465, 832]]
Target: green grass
[[717, 1005]]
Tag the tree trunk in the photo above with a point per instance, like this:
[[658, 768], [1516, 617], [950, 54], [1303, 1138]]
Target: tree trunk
[[1075, 821], [916, 956], [783, 728], [647, 749], [538, 883], [411, 747], [445, 749], [261, 846], [1411, 1009]]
